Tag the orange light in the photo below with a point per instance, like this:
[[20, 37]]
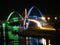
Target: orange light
[[40, 26]]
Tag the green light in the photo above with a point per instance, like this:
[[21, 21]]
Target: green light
[[12, 14], [15, 28], [3, 25], [8, 22], [14, 37], [11, 36], [4, 43], [15, 19], [9, 27]]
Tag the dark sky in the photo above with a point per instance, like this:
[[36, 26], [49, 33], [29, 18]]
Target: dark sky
[[48, 7]]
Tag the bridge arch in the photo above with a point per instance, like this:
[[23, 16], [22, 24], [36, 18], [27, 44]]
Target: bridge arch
[[14, 27], [14, 14], [34, 11]]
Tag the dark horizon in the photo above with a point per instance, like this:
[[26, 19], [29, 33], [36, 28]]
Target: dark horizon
[[47, 7]]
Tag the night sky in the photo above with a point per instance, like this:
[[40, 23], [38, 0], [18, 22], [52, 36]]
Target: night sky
[[47, 7]]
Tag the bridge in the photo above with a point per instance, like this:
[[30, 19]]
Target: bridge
[[16, 26]]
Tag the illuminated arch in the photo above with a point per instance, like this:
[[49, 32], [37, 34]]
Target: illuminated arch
[[32, 10], [14, 15], [12, 28]]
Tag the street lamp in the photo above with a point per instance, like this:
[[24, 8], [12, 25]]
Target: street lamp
[[43, 18], [55, 18], [48, 18]]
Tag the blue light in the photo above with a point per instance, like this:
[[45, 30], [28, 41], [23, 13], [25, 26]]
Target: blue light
[[31, 39], [36, 17], [31, 9]]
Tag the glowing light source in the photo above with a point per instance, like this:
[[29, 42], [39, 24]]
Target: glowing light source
[[48, 18], [55, 18], [11, 18], [43, 41], [31, 9], [14, 15], [49, 42], [3, 25], [40, 25], [15, 28], [43, 18]]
